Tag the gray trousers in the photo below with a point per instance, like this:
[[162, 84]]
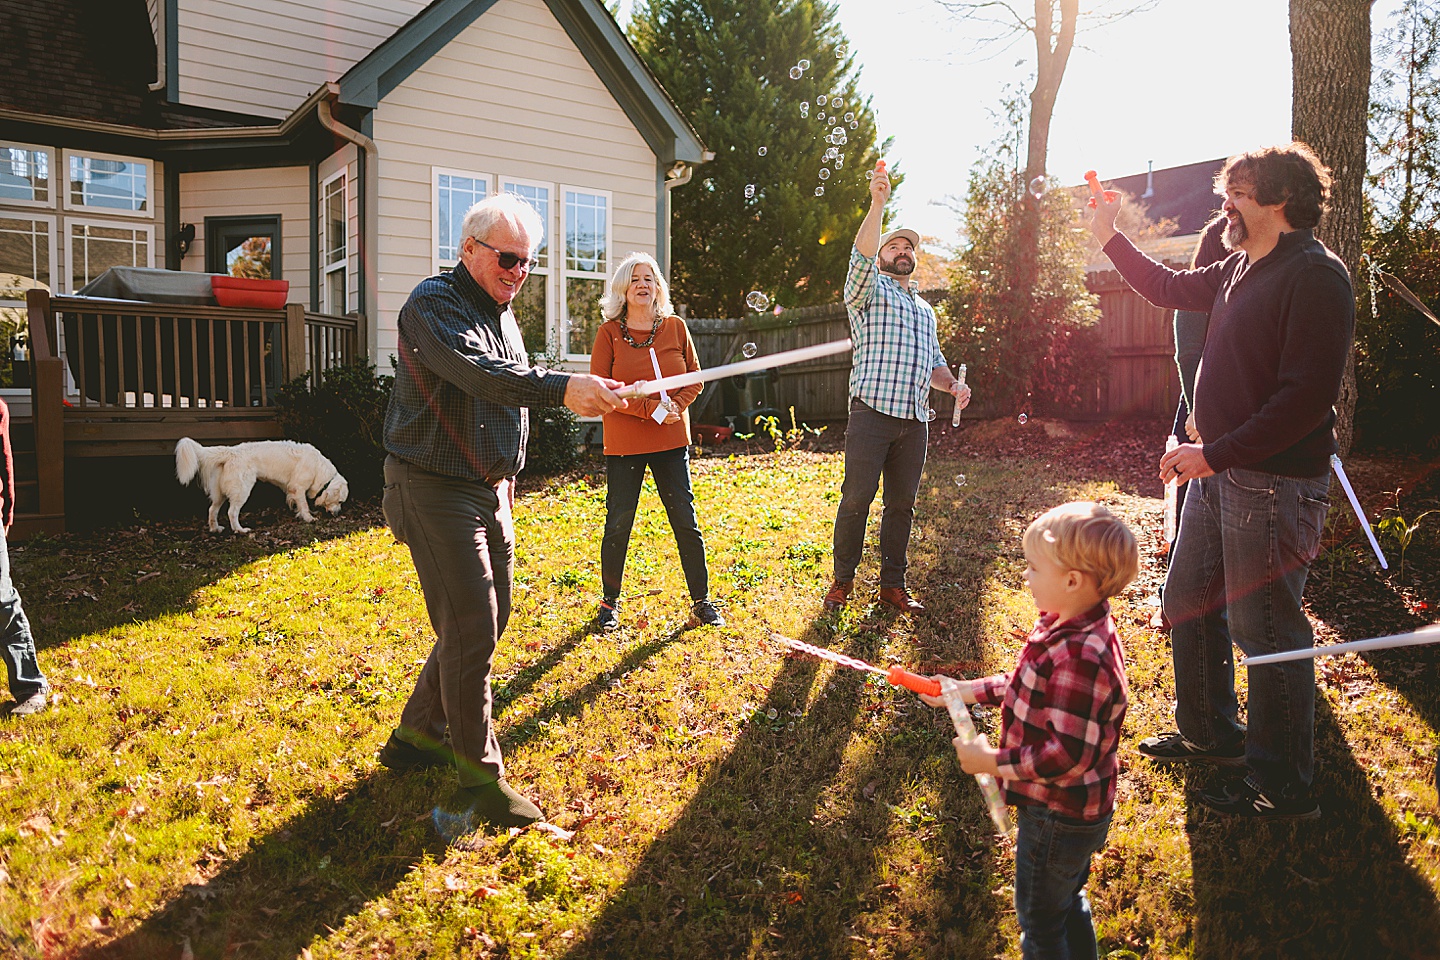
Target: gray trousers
[[878, 446], [462, 538]]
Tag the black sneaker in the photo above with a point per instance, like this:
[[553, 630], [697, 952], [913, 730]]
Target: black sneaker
[[400, 756], [1172, 748], [607, 618], [1243, 797], [28, 707], [704, 614], [494, 804]]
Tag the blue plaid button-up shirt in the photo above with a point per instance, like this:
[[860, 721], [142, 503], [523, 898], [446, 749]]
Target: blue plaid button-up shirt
[[896, 344], [462, 383]]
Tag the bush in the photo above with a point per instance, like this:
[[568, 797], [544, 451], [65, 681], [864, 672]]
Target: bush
[[554, 441], [345, 417], [1396, 347]]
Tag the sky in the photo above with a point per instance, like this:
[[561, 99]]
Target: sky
[[1122, 103]]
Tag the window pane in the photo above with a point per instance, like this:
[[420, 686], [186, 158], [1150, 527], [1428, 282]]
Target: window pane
[[24, 174], [335, 221], [115, 184], [585, 227], [93, 250], [530, 307], [249, 258], [335, 299], [24, 257], [582, 309], [539, 198], [455, 196]]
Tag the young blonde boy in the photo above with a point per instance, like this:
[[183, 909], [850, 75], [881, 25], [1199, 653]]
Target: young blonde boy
[[1061, 711]]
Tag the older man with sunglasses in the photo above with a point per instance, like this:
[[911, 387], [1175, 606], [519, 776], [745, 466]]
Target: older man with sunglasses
[[897, 363], [456, 432]]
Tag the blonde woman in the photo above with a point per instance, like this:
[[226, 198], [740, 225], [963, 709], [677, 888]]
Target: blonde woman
[[650, 432]]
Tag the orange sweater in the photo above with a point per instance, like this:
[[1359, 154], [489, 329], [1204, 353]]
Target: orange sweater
[[632, 430]]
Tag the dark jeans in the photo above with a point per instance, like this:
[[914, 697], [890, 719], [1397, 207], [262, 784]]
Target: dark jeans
[[876, 447], [462, 539], [1052, 864], [21, 666], [1237, 575], [623, 479]]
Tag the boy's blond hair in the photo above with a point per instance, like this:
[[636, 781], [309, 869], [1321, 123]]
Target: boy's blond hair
[[1087, 537]]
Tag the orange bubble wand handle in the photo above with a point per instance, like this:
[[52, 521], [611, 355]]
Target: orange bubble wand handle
[[1098, 192]]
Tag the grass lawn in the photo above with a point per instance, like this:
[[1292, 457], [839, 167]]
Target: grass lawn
[[205, 785]]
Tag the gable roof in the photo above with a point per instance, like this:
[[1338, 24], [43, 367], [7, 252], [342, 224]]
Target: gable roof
[[593, 30], [1185, 193]]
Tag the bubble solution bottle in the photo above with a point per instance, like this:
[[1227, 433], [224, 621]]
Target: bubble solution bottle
[[1171, 488]]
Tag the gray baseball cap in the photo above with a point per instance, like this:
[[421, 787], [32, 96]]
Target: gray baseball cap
[[910, 235]]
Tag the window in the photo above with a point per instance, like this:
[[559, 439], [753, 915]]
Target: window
[[455, 193], [102, 183], [243, 246], [586, 231], [334, 246], [25, 174], [27, 262], [96, 247], [532, 306]]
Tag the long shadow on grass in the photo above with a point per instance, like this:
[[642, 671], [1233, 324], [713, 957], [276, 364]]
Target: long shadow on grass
[[1336, 887], [302, 879], [772, 857]]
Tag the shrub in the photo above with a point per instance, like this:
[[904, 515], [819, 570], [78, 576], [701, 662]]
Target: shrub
[[554, 441], [345, 417]]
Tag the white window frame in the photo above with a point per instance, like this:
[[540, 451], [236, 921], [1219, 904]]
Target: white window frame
[[95, 210], [565, 273], [72, 222], [54, 223], [327, 268], [436, 173], [546, 274], [57, 183]]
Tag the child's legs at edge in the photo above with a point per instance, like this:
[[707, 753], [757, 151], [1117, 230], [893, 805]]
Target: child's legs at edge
[[1052, 865]]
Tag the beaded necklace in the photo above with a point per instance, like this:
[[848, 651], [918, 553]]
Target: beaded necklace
[[654, 329]]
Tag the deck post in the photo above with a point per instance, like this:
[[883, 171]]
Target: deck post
[[47, 398], [295, 363]]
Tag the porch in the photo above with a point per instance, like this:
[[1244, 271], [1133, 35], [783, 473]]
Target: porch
[[123, 378]]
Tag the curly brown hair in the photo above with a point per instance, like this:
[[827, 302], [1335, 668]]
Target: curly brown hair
[[1290, 174]]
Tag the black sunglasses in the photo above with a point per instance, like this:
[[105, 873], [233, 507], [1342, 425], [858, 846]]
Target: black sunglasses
[[508, 261]]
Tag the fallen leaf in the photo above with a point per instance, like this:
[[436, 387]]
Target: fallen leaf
[[453, 882], [484, 892]]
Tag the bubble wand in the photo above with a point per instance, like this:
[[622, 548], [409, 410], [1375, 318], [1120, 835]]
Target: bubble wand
[[1430, 634], [944, 688], [1097, 191], [959, 382], [641, 388], [1359, 512]]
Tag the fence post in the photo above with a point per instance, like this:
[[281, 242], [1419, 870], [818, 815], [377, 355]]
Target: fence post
[[295, 363]]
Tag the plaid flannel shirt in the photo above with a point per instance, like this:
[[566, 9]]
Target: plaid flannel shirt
[[896, 345], [463, 383], [1061, 711]]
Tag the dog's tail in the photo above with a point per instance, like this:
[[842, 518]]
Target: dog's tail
[[187, 460]]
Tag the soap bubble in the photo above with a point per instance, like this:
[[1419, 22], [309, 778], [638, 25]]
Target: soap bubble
[[836, 102], [820, 191], [849, 117], [772, 713], [820, 116], [763, 150], [1037, 187], [1024, 418], [840, 52], [757, 300], [839, 161], [796, 73], [749, 350], [821, 100], [959, 479], [824, 173], [869, 174], [804, 64], [804, 108], [930, 415], [854, 124]]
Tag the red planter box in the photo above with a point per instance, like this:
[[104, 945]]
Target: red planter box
[[244, 292]]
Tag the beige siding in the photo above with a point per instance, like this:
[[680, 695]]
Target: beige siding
[[266, 57], [253, 193], [511, 96]]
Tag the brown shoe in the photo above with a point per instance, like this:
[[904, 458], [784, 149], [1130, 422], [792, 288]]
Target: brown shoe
[[897, 597], [839, 594]]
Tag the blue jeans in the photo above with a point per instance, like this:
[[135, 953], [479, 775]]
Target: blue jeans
[[21, 666], [623, 479], [879, 446], [1052, 864], [1237, 576]]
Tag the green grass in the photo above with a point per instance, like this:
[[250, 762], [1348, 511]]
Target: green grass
[[207, 776]]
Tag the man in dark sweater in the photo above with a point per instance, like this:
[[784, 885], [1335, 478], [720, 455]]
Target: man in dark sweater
[[1282, 321]]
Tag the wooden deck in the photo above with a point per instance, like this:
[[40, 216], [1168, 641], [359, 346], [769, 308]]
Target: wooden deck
[[132, 378]]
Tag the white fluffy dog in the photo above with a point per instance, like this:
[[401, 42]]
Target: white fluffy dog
[[229, 473]]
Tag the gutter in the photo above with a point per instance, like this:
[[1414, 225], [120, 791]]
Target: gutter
[[369, 201]]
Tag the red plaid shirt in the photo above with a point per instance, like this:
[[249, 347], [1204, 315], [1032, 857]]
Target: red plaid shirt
[[1061, 711]]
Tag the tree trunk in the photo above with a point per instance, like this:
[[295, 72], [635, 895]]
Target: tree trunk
[[1330, 64]]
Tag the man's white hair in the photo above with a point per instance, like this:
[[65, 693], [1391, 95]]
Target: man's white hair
[[481, 218]]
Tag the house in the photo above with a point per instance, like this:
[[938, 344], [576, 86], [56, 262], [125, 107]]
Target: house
[[334, 144]]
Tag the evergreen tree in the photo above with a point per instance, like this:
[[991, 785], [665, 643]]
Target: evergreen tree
[[728, 64]]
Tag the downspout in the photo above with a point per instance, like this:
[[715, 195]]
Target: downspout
[[672, 180], [369, 200]]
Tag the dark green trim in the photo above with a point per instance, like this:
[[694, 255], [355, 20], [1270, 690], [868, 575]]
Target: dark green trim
[[172, 51], [363, 239], [387, 66], [662, 220], [315, 236], [171, 187], [271, 223]]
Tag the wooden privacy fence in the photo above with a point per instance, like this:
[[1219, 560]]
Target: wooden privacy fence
[[1139, 379]]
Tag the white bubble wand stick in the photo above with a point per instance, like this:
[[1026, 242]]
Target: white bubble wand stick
[[959, 382], [1430, 634], [1355, 505], [642, 388]]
